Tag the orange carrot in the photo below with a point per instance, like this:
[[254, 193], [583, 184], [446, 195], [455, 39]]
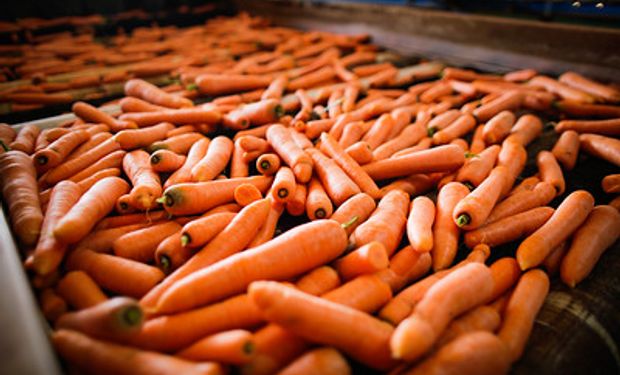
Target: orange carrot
[[458, 128], [438, 159], [604, 127], [442, 121], [170, 254], [550, 171], [166, 161], [198, 232], [569, 215], [367, 259], [210, 115], [214, 161], [520, 75], [602, 147], [600, 230], [527, 128], [359, 206], [522, 201], [319, 281], [527, 184], [477, 144], [361, 152], [57, 151], [112, 160], [510, 100], [234, 347], [79, 290], [137, 138], [424, 144], [326, 361], [276, 88], [420, 224], [596, 89], [131, 104], [445, 231], [318, 205], [93, 142], [312, 79], [512, 156], [296, 206], [498, 127], [258, 113], [611, 183], [553, 261], [19, 190], [300, 313], [575, 109], [283, 188], [523, 305], [146, 91], [337, 184], [101, 357], [245, 194], [92, 114], [282, 142], [179, 144], [25, 139], [141, 244], [196, 153], [268, 164], [216, 84], [379, 132], [410, 136], [52, 306], [146, 184], [566, 149], [478, 167]]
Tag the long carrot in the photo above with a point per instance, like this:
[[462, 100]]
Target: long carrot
[[215, 84], [327, 361], [522, 201], [166, 161], [89, 113], [97, 202], [512, 156], [445, 230], [137, 138], [420, 224], [280, 139], [180, 144], [318, 204], [337, 184], [234, 347], [522, 308], [146, 91], [131, 104], [25, 139], [442, 121], [379, 131], [112, 160], [276, 88], [561, 89], [80, 290], [312, 318], [566, 149], [19, 190], [367, 259], [596, 89], [509, 100], [602, 147], [477, 168], [198, 232], [329, 241], [258, 113], [409, 136], [550, 171], [100, 357], [415, 184], [458, 128], [93, 142], [196, 153], [183, 116], [57, 151], [141, 244], [569, 215], [600, 230], [603, 127]]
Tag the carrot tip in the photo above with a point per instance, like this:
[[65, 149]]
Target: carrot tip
[[279, 111], [185, 239], [164, 263], [320, 213], [132, 316], [248, 348], [283, 193], [155, 159], [463, 220], [165, 200]]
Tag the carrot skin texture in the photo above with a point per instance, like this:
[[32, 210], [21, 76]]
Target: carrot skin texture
[[521, 201], [234, 347], [606, 148], [326, 361], [566, 149], [80, 290], [420, 224], [445, 231], [550, 171], [360, 205]]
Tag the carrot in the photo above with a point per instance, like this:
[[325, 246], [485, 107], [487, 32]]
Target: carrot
[[467, 75], [198, 232], [313, 319], [575, 109], [184, 116], [482, 318], [137, 138], [569, 215], [509, 228], [282, 142], [473, 210], [112, 160], [600, 230], [318, 205], [276, 88], [513, 156], [283, 188], [258, 113], [92, 114], [405, 266], [19, 190], [361, 152], [116, 274], [527, 184], [326, 361], [197, 152], [232, 239], [523, 305], [445, 230], [296, 206], [234, 347], [93, 142], [479, 352], [359, 206], [561, 89], [593, 88], [522, 201], [498, 127], [216, 84], [420, 224], [170, 254], [379, 131], [424, 144], [520, 75], [245, 194], [319, 281], [409, 136], [141, 244], [387, 223], [7, 133], [101, 357], [268, 228], [214, 161], [477, 144], [146, 184], [605, 148], [131, 104], [566, 149], [605, 127], [367, 259], [179, 144], [312, 79], [329, 240], [301, 140], [459, 127], [268, 164], [554, 259], [458, 292], [25, 139], [58, 150], [477, 168], [146, 91], [611, 183], [526, 129], [442, 121], [337, 184], [251, 143], [550, 171], [52, 306], [439, 159], [49, 252], [40, 143], [115, 319], [349, 97], [80, 290], [166, 161], [510, 100]]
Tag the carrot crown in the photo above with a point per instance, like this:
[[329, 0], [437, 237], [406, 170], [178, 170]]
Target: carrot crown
[[4, 146], [132, 316]]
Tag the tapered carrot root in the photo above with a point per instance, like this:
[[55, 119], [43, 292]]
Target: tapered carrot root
[[79, 290], [369, 258], [566, 149], [141, 89], [234, 347], [611, 183], [420, 224], [445, 230], [602, 147]]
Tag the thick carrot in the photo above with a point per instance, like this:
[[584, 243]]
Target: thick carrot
[[52, 305], [367, 259], [166, 161], [141, 244], [179, 144], [386, 224], [131, 104], [197, 152], [329, 241], [80, 290], [566, 149], [146, 183], [245, 194], [498, 127], [258, 113], [115, 319], [196, 115], [313, 318], [569, 215], [170, 254], [600, 230], [296, 206], [146, 91], [420, 224], [326, 361], [379, 131], [475, 353], [509, 228], [276, 88], [216, 84], [214, 161], [482, 318], [337, 184], [602, 147], [359, 206], [596, 89], [458, 292], [20, 192], [603, 127], [550, 171], [234, 347], [282, 142], [283, 188], [361, 152], [523, 305], [198, 232], [439, 159], [49, 252], [318, 204], [57, 151], [526, 129], [510, 100], [575, 109], [478, 167], [25, 139], [268, 164], [137, 138], [101, 357], [458, 128], [473, 210], [513, 156], [445, 230]]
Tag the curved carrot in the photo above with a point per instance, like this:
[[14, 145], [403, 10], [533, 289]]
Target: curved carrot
[[420, 224], [183, 116], [438, 159], [410, 135], [258, 113], [498, 127], [600, 230], [49, 252], [115, 319], [57, 151], [326, 361], [198, 232], [596, 89], [282, 142], [369, 258], [137, 138], [80, 290], [550, 171], [473, 210], [458, 128], [101, 357], [482, 318], [146, 91], [478, 168], [146, 184], [611, 183], [445, 230], [509, 228], [20, 192], [166, 161], [569, 215], [318, 204], [602, 147], [268, 164], [510, 100], [234, 347], [131, 104], [337, 184], [141, 244], [25, 139], [566, 149], [522, 201], [523, 305], [512, 156], [313, 318], [361, 152], [214, 161], [197, 152], [386, 224]]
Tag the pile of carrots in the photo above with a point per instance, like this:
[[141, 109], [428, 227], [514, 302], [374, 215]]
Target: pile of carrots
[[151, 235]]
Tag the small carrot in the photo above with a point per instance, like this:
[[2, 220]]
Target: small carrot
[[359, 206], [569, 215], [510, 100], [146, 184], [146, 91], [214, 161], [600, 230], [52, 306], [522, 201], [513, 156], [445, 230], [550, 171], [596, 89], [57, 151], [268, 164], [367, 259], [20, 192], [337, 184], [361, 152], [197, 152], [459, 127], [603, 127], [166, 161], [136, 138], [131, 104], [522, 308], [89, 113], [258, 113], [234, 347], [282, 142], [420, 224], [140, 245], [80, 290], [326, 361], [111, 160], [526, 129], [566, 149], [179, 144], [25, 139], [198, 232], [602, 147]]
